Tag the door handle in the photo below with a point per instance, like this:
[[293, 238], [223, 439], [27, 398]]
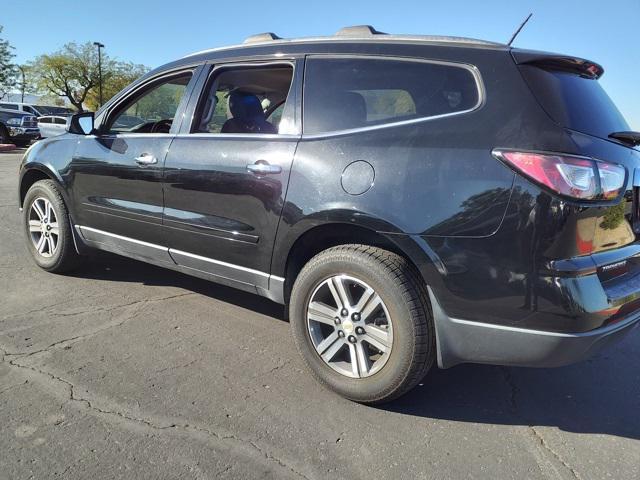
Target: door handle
[[262, 167], [146, 159]]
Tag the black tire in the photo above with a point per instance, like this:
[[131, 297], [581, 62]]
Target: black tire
[[4, 135], [402, 290], [65, 257]]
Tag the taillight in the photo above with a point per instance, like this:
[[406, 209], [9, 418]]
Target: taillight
[[577, 177]]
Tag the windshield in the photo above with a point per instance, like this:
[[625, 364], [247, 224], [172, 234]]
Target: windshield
[[52, 110], [575, 102]]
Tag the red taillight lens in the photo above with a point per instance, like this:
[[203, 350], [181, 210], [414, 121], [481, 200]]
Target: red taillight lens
[[576, 177]]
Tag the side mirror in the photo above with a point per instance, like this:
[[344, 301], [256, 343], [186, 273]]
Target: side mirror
[[81, 124]]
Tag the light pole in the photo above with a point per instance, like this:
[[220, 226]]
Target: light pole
[[100, 46], [23, 84]]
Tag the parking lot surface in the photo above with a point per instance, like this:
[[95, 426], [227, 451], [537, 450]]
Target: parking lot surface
[[125, 370]]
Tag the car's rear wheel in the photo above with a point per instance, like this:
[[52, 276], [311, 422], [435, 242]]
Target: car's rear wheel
[[361, 319], [48, 229]]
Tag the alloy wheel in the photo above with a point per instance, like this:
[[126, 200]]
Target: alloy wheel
[[349, 326], [43, 227]]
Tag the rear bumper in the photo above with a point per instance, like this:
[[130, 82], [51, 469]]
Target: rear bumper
[[462, 341]]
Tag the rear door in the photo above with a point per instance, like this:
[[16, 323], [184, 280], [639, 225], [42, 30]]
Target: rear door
[[227, 171], [117, 173]]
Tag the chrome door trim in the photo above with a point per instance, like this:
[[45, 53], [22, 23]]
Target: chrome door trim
[[252, 276], [219, 262], [84, 229]]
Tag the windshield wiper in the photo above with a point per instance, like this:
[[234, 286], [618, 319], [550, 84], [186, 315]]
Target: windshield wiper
[[628, 138]]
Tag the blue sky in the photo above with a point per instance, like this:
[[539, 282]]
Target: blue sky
[[155, 32]]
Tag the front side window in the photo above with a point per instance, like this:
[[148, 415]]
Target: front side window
[[248, 100], [153, 110], [345, 93], [46, 120]]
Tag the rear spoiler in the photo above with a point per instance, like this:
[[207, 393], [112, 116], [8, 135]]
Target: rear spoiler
[[556, 62]]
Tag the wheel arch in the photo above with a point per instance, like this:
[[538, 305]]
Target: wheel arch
[[321, 237], [34, 173]]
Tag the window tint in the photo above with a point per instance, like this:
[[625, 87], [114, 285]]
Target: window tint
[[60, 121], [153, 110], [8, 106], [384, 104], [357, 92], [238, 100], [575, 102], [45, 120]]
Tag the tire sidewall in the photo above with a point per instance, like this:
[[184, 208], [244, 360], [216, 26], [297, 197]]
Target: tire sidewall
[[364, 268], [45, 189]]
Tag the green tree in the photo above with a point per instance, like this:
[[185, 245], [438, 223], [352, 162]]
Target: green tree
[[7, 69], [72, 72], [119, 76]]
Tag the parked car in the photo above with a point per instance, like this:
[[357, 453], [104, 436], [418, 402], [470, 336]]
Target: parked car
[[52, 125], [37, 110], [412, 200], [18, 128]]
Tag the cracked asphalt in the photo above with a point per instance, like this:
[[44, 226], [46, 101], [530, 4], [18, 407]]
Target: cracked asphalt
[[125, 370]]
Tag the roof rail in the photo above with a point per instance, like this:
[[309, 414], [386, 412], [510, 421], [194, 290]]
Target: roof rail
[[262, 37], [358, 31]]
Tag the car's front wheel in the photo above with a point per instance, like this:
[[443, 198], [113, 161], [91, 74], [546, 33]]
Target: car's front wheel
[[361, 319], [48, 229]]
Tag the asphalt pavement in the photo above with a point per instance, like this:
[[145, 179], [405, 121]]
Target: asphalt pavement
[[125, 370]]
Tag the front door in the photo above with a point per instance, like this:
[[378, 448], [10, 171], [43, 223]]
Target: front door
[[226, 173], [117, 173]]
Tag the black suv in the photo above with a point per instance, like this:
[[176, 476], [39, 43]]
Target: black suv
[[18, 128], [411, 199]]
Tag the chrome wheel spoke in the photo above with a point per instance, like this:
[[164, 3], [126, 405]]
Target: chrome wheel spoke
[[319, 312], [38, 209], [339, 292], [366, 295], [50, 245], [335, 347], [353, 355], [372, 304], [48, 210], [34, 226], [364, 363], [42, 242], [377, 337]]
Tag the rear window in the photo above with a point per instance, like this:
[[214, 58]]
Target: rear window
[[575, 102], [345, 93]]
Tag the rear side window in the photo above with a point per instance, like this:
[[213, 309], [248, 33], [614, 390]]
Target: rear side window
[[575, 102], [345, 93]]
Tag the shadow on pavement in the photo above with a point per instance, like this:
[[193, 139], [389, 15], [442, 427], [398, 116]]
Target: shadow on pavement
[[110, 267], [601, 395]]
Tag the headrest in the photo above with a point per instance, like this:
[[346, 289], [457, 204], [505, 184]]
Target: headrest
[[245, 105]]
